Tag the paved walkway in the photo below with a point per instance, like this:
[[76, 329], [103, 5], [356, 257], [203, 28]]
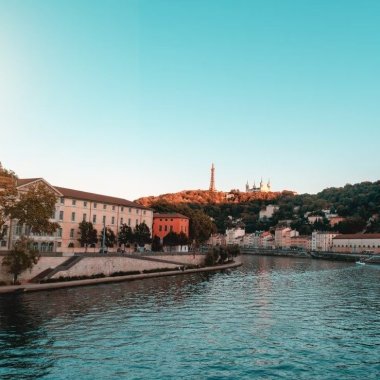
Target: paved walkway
[[14, 289]]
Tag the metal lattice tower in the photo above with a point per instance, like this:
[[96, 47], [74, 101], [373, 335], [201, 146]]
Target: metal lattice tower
[[212, 180]]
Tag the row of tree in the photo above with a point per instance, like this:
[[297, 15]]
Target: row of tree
[[140, 235]]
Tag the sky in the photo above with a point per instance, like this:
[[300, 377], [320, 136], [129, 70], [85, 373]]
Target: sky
[[134, 98]]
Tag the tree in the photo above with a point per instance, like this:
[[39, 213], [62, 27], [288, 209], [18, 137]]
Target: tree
[[183, 239], [34, 208], [351, 225], [156, 244], [110, 237], [201, 227], [141, 235], [20, 258], [8, 197], [88, 234], [171, 240], [125, 235]]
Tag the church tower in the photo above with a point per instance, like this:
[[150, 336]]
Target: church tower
[[212, 180]]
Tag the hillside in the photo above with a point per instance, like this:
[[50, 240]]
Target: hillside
[[204, 197], [358, 203]]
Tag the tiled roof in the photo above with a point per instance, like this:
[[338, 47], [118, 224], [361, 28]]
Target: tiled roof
[[24, 181], [357, 236], [173, 215], [83, 195]]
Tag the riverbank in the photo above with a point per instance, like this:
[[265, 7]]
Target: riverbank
[[15, 289], [331, 256], [276, 252]]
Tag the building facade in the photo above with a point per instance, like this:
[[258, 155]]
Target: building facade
[[357, 243], [282, 237], [322, 241], [73, 207], [170, 222]]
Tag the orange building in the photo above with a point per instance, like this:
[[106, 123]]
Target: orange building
[[165, 223]]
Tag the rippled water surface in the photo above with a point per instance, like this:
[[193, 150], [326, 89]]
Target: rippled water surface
[[271, 318]]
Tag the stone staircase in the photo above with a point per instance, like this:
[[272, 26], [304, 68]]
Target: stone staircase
[[50, 272]]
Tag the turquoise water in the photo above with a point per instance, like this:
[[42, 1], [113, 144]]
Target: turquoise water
[[281, 318]]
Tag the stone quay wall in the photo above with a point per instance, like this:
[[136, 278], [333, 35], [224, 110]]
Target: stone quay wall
[[92, 264]]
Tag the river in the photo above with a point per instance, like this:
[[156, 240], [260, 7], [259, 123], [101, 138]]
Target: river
[[272, 318]]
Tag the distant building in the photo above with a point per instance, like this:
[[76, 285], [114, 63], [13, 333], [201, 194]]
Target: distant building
[[357, 243], [322, 241], [301, 242], [267, 212], [234, 235], [283, 237], [263, 188], [217, 239], [170, 222]]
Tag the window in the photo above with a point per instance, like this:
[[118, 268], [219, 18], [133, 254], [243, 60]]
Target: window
[[113, 220], [18, 229], [104, 219], [113, 208], [122, 209], [84, 217], [53, 214], [73, 216], [72, 233], [129, 222], [121, 220], [137, 211], [61, 215], [171, 228], [59, 244], [166, 228], [84, 204], [59, 232], [73, 202], [93, 218], [144, 212], [137, 222], [104, 207], [3, 243], [95, 205], [144, 221], [130, 210], [160, 228], [62, 201]]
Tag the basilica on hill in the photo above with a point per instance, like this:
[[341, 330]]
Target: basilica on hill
[[263, 188]]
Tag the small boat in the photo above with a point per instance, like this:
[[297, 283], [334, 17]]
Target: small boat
[[360, 262]]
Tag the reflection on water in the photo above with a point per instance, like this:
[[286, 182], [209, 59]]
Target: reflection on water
[[273, 317]]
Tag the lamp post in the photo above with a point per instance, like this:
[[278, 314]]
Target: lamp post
[[104, 238]]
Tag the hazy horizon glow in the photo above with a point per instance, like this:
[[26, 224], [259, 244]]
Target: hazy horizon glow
[[136, 98]]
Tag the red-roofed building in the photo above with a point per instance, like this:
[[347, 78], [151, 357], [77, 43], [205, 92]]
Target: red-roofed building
[[170, 222], [74, 206], [357, 243]]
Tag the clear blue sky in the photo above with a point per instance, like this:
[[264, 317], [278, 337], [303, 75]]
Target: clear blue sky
[[135, 98]]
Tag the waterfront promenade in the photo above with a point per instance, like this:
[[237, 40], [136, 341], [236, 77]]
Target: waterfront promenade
[[15, 289]]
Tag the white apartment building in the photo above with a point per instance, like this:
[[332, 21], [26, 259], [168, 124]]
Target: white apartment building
[[322, 241], [74, 206], [267, 212]]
